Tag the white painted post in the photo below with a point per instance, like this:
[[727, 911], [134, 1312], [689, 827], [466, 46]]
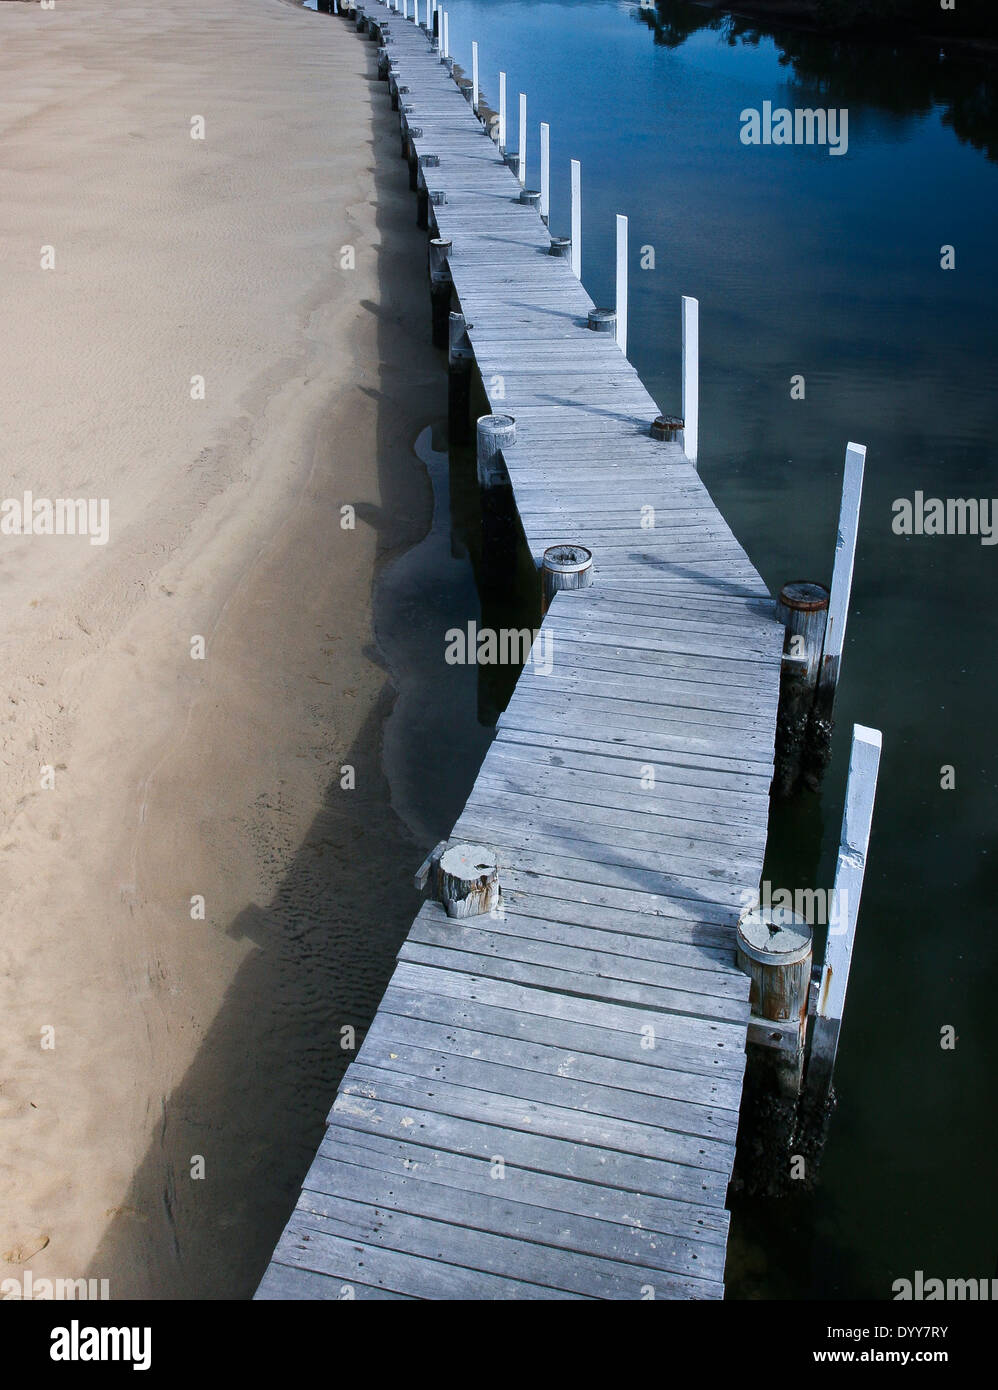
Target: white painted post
[[842, 572], [474, 77], [577, 219], [446, 34], [545, 173], [818, 751], [691, 378], [502, 113], [622, 283], [521, 162], [857, 819]]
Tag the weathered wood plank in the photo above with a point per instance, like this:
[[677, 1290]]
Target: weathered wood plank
[[590, 1031]]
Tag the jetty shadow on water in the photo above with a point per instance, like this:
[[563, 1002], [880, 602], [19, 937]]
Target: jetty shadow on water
[[254, 1101]]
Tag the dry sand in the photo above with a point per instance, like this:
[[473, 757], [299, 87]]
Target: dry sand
[[177, 257]]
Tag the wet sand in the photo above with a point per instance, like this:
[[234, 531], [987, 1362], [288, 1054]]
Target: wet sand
[[178, 1039]]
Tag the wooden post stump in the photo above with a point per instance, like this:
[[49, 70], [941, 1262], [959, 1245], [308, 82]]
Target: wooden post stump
[[774, 950], [495, 433], [802, 607], [440, 290], [566, 566], [467, 880], [561, 246], [530, 196], [667, 427], [459, 357], [413, 133], [773, 947], [500, 530], [603, 320], [424, 162]]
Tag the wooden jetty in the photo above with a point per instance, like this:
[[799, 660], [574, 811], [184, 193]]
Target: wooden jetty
[[546, 1104]]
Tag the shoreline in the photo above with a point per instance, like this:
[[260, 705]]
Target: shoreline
[[177, 1037]]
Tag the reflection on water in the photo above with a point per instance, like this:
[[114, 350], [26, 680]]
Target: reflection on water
[[905, 82]]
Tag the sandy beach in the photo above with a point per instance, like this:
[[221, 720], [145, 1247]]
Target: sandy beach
[[135, 1037]]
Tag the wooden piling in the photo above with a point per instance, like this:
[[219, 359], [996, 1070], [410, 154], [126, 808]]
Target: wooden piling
[[667, 427], [561, 246], [495, 433], [565, 566], [424, 161], [459, 359], [773, 947], [603, 320], [413, 133], [440, 289], [802, 608], [467, 880]]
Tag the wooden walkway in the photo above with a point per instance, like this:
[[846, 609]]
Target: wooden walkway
[[546, 1103]]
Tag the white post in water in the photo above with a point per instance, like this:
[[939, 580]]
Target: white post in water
[[577, 219], [502, 113], [622, 283], [691, 378], [861, 789], [545, 173], [521, 162], [446, 33], [474, 77], [842, 571]]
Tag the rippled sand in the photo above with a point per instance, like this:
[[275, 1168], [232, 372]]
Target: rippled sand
[[176, 1037]]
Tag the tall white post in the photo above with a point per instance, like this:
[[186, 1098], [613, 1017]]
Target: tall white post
[[545, 172], [622, 283], [502, 113], [577, 219], [691, 378], [446, 34], [521, 162], [857, 820], [842, 570], [474, 77]]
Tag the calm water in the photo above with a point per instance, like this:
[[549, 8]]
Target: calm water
[[828, 267]]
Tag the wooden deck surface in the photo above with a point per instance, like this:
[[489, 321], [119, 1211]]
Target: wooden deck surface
[[546, 1104]]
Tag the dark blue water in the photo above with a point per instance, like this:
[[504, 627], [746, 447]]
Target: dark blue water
[[828, 267]]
